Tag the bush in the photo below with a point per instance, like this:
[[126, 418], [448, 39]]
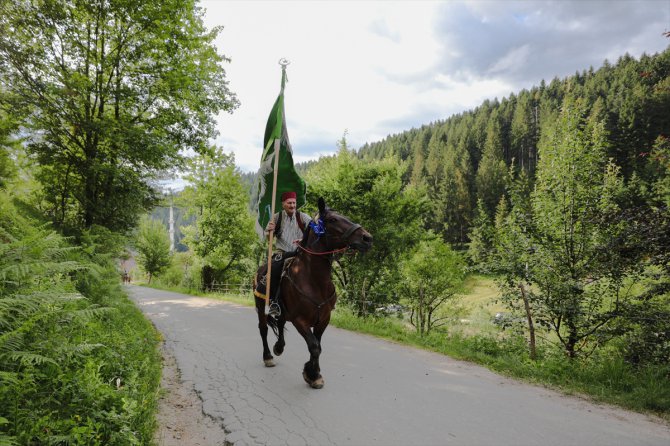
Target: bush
[[78, 361], [184, 272]]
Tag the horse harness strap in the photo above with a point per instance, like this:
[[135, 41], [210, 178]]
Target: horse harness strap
[[350, 231], [316, 304]]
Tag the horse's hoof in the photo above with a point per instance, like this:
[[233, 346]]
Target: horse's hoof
[[316, 384], [277, 351], [269, 363]]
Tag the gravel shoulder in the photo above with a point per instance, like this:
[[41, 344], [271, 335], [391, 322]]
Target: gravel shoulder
[[181, 420]]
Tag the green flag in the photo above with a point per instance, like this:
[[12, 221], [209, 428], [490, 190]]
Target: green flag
[[287, 178]]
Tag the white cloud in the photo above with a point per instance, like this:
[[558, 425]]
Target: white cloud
[[515, 59], [380, 67]]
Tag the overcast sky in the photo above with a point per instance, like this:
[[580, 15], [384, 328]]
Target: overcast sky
[[382, 67]]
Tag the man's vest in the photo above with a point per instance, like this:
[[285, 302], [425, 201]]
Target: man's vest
[[301, 224]]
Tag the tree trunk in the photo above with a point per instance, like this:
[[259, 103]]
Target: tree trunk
[[422, 316], [572, 340], [531, 327], [207, 277]]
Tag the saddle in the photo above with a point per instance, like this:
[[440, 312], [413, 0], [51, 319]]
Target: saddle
[[280, 267]]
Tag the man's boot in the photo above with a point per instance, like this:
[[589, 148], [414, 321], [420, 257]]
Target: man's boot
[[275, 310]]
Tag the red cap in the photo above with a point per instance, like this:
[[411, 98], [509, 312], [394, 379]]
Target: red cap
[[286, 195]]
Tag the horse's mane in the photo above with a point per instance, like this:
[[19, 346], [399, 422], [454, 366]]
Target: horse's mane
[[305, 235]]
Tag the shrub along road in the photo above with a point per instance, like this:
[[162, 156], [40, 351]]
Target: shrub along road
[[376, 392]]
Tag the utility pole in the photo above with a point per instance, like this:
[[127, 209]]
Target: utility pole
[[171, 221]]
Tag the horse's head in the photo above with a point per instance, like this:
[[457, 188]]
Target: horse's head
[[340, 232]]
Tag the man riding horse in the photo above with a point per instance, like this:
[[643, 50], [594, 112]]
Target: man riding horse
[[308, 293], [288, 226]]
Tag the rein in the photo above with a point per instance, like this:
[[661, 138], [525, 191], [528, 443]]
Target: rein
[[353, 228], [314, 253]]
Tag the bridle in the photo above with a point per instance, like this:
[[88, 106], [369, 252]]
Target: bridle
[[344, 237]]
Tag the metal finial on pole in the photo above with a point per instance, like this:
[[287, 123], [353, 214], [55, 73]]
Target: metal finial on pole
[[283, 63]]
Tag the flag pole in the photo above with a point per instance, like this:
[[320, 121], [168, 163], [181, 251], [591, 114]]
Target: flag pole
[[272, 214], [283, 63]]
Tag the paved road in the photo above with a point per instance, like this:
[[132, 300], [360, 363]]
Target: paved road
[[376, 392]]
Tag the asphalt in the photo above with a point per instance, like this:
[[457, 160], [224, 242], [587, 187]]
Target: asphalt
[[376, 392]]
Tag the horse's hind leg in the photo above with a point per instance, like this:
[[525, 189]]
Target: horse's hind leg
[[263, 328]]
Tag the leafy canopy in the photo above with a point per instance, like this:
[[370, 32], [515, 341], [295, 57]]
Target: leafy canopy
[[116, 89]]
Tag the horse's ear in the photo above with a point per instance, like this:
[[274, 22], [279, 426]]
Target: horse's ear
[[322, 206]]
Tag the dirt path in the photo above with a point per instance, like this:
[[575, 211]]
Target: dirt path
[[181, 420]]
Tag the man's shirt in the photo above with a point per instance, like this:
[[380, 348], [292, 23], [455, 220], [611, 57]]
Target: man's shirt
[[290, 231]]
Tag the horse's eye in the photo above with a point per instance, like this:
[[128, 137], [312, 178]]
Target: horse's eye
[[331, 220]]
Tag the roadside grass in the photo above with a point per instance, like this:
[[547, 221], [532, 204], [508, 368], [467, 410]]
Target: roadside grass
[[603, 377]]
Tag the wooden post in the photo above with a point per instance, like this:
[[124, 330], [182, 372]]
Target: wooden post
[[272, 214]]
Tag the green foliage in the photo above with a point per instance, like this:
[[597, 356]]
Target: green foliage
[[128, 86], [659, 170], [184, 272], [153, 246], [490, 179], [78, 362], [223, 235], [579, 284], [433, 275], [371, 194], [8, 143], [476, 147], [481, 237]]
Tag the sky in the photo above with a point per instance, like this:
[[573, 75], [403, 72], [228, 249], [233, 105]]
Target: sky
[[377, 68]]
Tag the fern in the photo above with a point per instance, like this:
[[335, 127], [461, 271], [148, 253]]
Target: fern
[[52, 361], [70, 351], [9, 378], [91, 313], [6, 440], [11, 341], [27, 358]]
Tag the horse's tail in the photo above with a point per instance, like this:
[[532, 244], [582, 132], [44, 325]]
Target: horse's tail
[[272, 323]]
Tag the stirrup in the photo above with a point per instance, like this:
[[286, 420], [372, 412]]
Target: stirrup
[[275, 310]]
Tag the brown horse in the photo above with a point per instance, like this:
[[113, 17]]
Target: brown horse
[[307, 289]]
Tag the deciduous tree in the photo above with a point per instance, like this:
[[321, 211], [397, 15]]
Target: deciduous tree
[[433, 274], [153, 247], [117, 89], [223, 235], [371, 194], [579, 283]]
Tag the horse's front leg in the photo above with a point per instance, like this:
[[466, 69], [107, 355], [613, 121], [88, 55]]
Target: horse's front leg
[[311, 372], [263, 329], [278, 348]]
